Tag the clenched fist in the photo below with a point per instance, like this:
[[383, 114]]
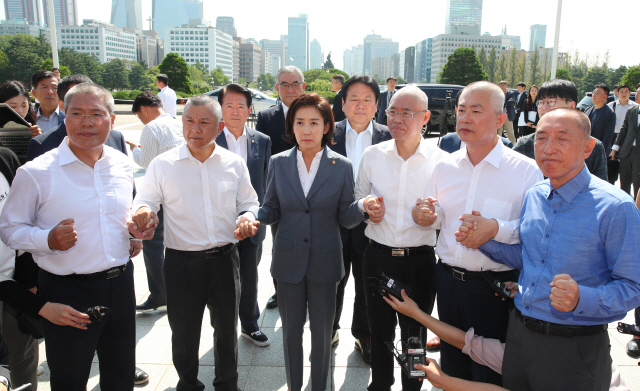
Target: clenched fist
[[63, 236], [565, 293]]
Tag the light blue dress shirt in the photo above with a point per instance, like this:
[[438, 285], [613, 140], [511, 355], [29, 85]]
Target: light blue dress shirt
[[587, 229]]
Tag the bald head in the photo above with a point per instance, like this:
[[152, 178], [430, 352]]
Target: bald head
[[417, 93], [576, 116], [495, 94]]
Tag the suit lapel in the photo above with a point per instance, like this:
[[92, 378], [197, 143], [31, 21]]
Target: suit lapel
[[221, 140], [340, 138], [252, 148], [291, 172], [326, 167], [377, 135]]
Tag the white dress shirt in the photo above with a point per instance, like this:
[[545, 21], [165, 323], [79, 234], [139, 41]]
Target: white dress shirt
[[307, 177], [621, 112], [495, 187], [617, 147], [168, 98], [355, 144], [158, 136], [7, 254], [47, 123], [200, 200], [57, 186], [401, 182], [285, 110], [239, 145]]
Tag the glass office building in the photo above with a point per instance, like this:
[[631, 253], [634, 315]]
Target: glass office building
[[168, 14], [463, 17]]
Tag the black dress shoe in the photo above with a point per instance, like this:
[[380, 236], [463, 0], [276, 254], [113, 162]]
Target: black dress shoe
[[364, 347], [149, 306], [273, 302], [142, 377], [633, 348]]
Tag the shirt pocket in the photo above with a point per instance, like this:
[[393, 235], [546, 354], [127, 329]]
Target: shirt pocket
[[496, 209], [227, 194]]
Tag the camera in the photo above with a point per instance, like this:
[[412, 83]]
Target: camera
[[499, 287], [386, 286], [98, 314], [625, 328], [413, 353]]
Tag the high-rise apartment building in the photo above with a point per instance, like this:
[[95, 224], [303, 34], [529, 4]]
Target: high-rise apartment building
[[298, 46], [24, 10], [353, 60], [376, 46], [383, 67], [227, 24], [127, 13], [206, 45], [538, 36], [250, 61], [276, 47], [409, 64], [99, 39], [316, 57], [422, 64], [65, 11], [445, 44], [463, 17], [168, 14]]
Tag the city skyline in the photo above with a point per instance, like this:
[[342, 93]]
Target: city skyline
[[425, 20]]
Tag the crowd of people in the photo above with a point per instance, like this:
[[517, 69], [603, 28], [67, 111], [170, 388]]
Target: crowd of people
[[362, 194]]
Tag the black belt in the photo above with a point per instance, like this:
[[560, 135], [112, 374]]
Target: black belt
[[103, 275], [542, 327], [464, 274], [210, 253], [401, 251]]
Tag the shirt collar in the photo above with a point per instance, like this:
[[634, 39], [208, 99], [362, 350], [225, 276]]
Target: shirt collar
[[423, 148], [164, 88], [56, 112], [494, 157], [319, 154], [285, 109], [228, 133], [570, 190], [66, 155], [368, 129], [185, 153]]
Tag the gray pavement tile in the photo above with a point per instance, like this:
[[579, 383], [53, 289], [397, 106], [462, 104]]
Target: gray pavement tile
[[265, 284], [272, 355], [631, 376], [153, 345], [275, 379]]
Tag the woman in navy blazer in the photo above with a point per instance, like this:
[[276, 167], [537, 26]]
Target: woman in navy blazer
[[310, 192]]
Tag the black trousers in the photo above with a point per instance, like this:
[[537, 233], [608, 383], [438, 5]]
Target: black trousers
[[540, 362], [525, 130], [359, 324], [153, 253], [630, 173], [466, 304], [248, 309], [274, 231], [613, 169], [416, 271], [193, 283], [70, 350]]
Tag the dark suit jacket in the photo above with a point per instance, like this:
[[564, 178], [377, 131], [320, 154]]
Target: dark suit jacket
[[308, 239], [629, 133], [258, 156], [61, 115], [382, 106], [271, 123], [380, 133], [451, 142], [521, 103], [604, 126], [510, 104], [338, 114]]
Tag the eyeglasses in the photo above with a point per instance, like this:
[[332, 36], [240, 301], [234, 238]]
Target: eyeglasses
[[286, 85], [597, 93], [404, 114], [549, 102], [95, 117]]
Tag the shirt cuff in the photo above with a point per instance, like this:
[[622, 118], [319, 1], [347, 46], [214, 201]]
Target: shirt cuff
[[616, 148], [41, 241], [588, 304], [250, 216], [505, 233]]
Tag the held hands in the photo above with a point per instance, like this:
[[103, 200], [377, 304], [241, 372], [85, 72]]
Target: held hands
[[143, 223], [476, 230], [565, 293], [246, 228], [64, 315], [135, 248], [424, 213], [35, 130], [133, 145], [407, 307], [612, 155], [374, 206], [63, 236]]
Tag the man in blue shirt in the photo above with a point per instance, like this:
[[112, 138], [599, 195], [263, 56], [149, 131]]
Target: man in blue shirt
[[579, 266]]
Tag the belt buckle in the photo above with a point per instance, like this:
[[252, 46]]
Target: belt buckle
[[457, 273], [212, 253], [112, 273], [398, 252]]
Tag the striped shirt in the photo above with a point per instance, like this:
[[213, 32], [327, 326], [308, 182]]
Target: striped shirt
[[158, 136]]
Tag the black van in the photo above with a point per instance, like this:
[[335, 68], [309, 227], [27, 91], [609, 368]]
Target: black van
[[440, 95]]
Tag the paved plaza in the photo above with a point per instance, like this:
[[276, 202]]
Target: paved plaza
[[262, 369]]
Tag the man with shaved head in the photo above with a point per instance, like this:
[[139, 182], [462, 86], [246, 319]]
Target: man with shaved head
[[578, 262], [482, 177]]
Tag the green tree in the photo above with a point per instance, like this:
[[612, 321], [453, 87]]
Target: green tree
[[82, 63], [177, 70], [319, 86], [522, 67], [482, 57], [534, 67], [563, 73], [22, 55], [513, 67], [267, 81], [401, 80], [219, 78], [631, 77], [200, 78], [595, 75], [139, 77], [323, 74], [615, 75], [462, 67], [48, 65], [328, 64], [492, 65], [116, 74], [502, 68]]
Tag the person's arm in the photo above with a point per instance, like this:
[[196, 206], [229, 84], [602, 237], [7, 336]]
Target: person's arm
[[439, 379], [597, 162], [260, 127], [621, 136], [269, 212], [246, 197], [364, 200], [149, 147], [350, 215], [608, 132], [506, 254], [148, 200]]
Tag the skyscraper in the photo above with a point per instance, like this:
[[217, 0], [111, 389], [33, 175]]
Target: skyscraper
[[26, 10], [226, 24], [65, 11], [316, 56], [174, 13], [538, 36], [463, 17], [298, 37], [127, 13], [376, 46]]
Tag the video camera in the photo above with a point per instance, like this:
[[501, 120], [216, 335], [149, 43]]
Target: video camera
[[631, 329], [413, 353]]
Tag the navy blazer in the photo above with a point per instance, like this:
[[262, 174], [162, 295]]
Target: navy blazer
[[510, 103], [451, 142], [308, 242], [338, 114], [382, 107], [604, 126], [258, 155], [271, 123], [380, 133]]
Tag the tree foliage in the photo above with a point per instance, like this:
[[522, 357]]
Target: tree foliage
[[513, 67], [482, 57], [219, 78], [22, 57], [563, 73], [401, 80], [48, 65], [321, 74], [319, 86], [177, 70], [267, 81], [534, 67], [502, 67], [462, 67], [139, 77], [631, 77], [116, 74], [492, 65]]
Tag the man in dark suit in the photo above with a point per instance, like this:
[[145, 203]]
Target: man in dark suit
[[626, 149], [385, 98], [352, 136], [337, 81], [521, 103], [451, 142], [290, 85], [255, 149], [602, 117], [509, 109]]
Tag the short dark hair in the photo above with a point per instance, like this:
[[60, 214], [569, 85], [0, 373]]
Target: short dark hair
[[67, 82], [309, 100], [339, 78], [362, 79], [146, 99], [162, 78], [522, 84], [41, 75], [12, 88], [55, 69], [621, 86], [558, 88], [391, 78], [237, 89], [616, 87], [605, 87]]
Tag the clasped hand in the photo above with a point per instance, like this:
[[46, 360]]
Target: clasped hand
[[476, 230], [374, 206], [246, 228], [424, 213], [143, 223]]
